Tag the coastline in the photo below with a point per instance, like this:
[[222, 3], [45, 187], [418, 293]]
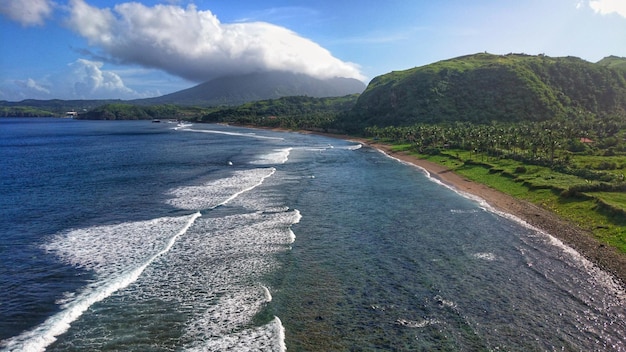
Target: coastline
[[605, 257]]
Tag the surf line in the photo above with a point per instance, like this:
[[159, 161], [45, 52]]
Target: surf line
[[237, 194], [45, 334], [250, 135]]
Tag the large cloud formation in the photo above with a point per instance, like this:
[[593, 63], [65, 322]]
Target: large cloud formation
[[195, 45], [27, 12]]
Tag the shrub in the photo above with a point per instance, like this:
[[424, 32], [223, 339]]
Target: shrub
[[605, 165], [520, 170]]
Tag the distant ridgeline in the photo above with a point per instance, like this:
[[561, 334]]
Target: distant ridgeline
[[48, 108], [193, 103], [483, 87], [478, 88]]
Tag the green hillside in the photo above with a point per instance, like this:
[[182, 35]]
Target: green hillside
[[481, 88], [548, 130], [295, 112], [125, 111], [48, 108], [615, 62]]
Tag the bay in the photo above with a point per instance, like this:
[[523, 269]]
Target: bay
[[132, 235]]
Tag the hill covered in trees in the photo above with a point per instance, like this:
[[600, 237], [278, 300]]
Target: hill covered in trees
[[482, 88], [126, 111], [551, 131], [48, 108], [296, 112]]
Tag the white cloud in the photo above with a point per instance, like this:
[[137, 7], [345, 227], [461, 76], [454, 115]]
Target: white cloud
[[82, 79], [30, 84], [27, 12], [88, 80], [17, 89], [195, 45], [606, 7]]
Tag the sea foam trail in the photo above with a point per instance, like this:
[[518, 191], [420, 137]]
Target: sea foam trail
[[249, 135], [270, 337], [219, 192], [235, 253], [354, 147], [279, 156], [45, 334]]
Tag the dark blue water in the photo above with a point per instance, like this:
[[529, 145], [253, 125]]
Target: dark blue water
[[131, 235]]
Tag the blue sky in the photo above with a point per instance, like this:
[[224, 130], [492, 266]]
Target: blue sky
[[96, 49]]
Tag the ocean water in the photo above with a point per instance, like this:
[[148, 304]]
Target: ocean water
[[131, 235]]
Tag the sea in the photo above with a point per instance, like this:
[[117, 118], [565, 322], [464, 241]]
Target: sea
[[142, 236]]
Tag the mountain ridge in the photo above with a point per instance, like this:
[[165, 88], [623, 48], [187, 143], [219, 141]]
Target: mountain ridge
[[235, 90], [222, 91]]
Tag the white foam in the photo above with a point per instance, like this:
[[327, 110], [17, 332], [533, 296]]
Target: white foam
[[444, 302], [268, 294], [330, 146], [218, 192], [238, 134], [415, 323], [111, 249], [235, 253], [116, 279], [269, 337], [354, 147], [485, 256], [595, 276], [279, 156], [233, 311], [182, 125], [464, 211], [292, 236], [67, 298]]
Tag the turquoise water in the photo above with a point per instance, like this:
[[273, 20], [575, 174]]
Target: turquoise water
[[130, 235]]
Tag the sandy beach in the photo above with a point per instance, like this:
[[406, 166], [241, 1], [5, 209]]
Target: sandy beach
[[582, 241]]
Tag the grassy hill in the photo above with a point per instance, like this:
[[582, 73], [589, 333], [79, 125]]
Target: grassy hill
[[481, 88]]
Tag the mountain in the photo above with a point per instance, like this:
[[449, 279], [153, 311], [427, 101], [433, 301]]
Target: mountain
[[614, 62], [235, 90], [484, 87]]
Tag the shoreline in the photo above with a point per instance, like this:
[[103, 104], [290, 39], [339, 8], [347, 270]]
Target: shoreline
[[605, 257]]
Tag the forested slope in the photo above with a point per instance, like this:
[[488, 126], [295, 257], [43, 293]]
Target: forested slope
[[481, 88]]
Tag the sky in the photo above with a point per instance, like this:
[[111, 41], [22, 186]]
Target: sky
[[117, 49]]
